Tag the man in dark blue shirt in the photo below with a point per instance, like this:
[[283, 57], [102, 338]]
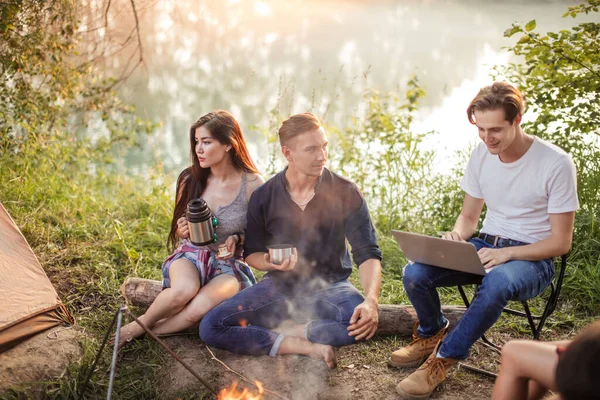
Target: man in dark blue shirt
[[315, 210]]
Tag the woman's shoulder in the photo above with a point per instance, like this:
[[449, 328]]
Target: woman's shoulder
[[254, 180]]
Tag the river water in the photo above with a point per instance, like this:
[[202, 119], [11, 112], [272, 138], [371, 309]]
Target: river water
[[259, 58]]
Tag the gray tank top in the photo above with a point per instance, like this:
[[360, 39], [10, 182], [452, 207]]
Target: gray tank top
[[232, 217]]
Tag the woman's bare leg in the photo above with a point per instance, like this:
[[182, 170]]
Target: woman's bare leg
[[535, 390], [526, 371], [214, 293], [185, 283]]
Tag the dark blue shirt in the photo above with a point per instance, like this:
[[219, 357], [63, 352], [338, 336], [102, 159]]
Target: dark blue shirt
[[336, 212]]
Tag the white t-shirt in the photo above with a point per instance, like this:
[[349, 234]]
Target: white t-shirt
[[521, 195]]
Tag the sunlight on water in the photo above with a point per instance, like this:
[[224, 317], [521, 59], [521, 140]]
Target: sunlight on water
[[262, 8], [449, 119], [258, 58]]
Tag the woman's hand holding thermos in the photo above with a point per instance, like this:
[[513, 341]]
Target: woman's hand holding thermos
[[183, 230]]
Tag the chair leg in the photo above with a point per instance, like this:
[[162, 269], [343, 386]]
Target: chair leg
[[538, 331], [481, 371], [534, 329], [464, 296], [491, 344], [550, 305]]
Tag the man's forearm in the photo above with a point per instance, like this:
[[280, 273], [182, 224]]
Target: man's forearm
[[465, 226], [547, 248], [370, 278], [257, 261]]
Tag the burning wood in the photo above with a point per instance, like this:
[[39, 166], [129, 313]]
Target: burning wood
[[233, 393]]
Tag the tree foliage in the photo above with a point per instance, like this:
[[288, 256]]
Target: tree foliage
[[49, 92], [560, 77]]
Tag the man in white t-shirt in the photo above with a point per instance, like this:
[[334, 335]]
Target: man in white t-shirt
[[530, 189]]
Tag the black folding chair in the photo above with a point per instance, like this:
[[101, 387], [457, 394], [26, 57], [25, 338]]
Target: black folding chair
[[536, 329]]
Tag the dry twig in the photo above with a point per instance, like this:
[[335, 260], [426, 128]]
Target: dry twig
[[242, 376]]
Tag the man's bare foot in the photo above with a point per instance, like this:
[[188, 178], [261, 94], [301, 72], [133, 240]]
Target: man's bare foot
[[290, 328], [325, 353], [127, 333]]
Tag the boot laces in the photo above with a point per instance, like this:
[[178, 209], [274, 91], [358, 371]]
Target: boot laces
[[418, 340], [422, 341], [415, 336], [436, 367]]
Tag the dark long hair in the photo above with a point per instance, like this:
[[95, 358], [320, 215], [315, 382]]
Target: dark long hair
[[192, 180], [577, 371]]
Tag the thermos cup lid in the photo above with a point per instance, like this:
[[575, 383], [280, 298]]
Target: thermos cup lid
[[198, 211]]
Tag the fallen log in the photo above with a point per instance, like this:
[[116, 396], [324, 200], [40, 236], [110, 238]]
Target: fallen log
[[140, 292], [400, 319], [393, 319]]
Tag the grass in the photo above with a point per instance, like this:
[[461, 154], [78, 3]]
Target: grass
[[92, 230]]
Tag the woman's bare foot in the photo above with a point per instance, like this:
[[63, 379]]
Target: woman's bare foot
[[325, 353], [127, 333]]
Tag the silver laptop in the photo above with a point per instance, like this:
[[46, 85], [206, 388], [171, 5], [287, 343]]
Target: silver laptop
[[459, 256]]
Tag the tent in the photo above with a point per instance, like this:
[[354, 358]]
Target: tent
[[29, 302]]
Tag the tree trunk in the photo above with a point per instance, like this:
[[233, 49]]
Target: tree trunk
[[393, 319]]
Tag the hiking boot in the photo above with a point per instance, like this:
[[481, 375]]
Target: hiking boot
[[420, 384], [418, 350]]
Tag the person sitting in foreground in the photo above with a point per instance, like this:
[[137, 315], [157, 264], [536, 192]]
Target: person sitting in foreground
[[196, 278], [530, 189], [529, 368], [315, 210]]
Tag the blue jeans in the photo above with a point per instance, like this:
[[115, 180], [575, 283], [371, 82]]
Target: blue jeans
[[243, 323], [515, 280]]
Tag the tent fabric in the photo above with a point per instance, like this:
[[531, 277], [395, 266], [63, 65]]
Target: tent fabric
[[29, 302], [16, 333]]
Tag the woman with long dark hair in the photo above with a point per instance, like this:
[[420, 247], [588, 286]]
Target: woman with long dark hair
[[196, 278], [530, 368]]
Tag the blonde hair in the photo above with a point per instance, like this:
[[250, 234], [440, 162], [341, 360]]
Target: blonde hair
[[296, 125], [498, 95]]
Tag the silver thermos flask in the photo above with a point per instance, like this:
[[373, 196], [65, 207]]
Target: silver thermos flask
[[201, 223]]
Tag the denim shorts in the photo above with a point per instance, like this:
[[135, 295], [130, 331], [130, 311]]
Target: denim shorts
[[208, 266], [218, 268]]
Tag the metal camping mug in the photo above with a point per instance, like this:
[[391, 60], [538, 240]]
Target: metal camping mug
[[278, 253], [201, 223]]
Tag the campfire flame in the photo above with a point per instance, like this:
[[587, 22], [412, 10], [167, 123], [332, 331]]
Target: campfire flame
[[233, 393]]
